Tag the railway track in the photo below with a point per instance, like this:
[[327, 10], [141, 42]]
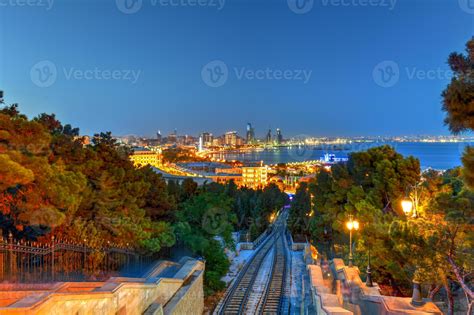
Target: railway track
[[237, 296], [272, 300]]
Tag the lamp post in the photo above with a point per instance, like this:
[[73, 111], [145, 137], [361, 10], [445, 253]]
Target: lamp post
[[407, 206], [368, 281], [351, 225]]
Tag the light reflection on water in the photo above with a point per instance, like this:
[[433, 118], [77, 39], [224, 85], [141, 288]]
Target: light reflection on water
[[434, 155]]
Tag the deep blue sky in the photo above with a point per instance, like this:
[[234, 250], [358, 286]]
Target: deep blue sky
[[169, 45]]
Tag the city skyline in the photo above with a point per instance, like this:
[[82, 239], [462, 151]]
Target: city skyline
[[261, 133], [327, 71]]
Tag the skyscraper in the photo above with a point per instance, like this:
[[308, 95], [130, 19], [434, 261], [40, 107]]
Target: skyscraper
[[269, 136], [159, 137], [250, 133], [207, 138], [279, 136], [230, 138]]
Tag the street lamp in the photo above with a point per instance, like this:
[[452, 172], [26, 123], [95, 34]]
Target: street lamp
[[407, 206], [351, 225], [416, 299], [410, 203]]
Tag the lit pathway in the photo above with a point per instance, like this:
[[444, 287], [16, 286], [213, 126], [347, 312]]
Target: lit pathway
[[300, 303]]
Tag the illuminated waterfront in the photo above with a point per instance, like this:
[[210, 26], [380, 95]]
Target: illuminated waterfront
[[435, 155]]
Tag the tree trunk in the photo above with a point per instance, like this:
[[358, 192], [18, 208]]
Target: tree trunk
[[434, 291], [460, 278], [450, 298]]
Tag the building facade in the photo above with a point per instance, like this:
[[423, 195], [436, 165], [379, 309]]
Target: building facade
[[142, 157], [254, 177]]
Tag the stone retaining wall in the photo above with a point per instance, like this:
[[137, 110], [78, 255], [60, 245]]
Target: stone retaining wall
[[116, 296]]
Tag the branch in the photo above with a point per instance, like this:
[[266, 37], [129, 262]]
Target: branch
[[460, 279]]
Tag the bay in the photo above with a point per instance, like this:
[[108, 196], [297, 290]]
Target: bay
[[436, 155]]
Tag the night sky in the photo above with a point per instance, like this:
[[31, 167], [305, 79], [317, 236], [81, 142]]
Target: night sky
[[316, 67]]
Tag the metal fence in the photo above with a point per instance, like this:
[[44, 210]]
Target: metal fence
[[59, 260]]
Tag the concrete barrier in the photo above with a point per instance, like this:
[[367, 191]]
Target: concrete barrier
[[360, 299], [153, 294], [296, 246], [324, 300]]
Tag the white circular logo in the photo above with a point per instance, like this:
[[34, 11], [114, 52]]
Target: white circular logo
[[386, 73], [214, 221], [44, 73], [300, 6], [129, 6], [467, 6], [300, 151], [215, 73]]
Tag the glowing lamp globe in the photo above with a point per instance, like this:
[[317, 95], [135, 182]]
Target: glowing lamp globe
[[350, 225], [356, 225], [407, 206]]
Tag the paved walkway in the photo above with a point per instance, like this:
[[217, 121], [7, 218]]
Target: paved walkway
[[301, 302]]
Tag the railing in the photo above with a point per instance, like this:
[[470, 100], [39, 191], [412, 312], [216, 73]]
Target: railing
[[34, 262]]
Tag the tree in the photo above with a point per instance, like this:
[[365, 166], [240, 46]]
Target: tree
[[300, 212], [458, 103], [369, 186], [201, 222], [458, 97], [52, 184], [440, 242]]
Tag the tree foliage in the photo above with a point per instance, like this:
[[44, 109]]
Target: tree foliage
[[50, 183], [458, 97]]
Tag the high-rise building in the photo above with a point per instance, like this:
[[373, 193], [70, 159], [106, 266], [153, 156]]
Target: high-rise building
[[201, 144], [279, 136], [207, 138], [269, 136], [159, 137], [230, 138], [173, 137], [250, 133]]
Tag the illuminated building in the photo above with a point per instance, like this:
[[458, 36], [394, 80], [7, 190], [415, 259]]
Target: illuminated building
[[230, 138], [279, 136], [250, 133], [255, 176], [142, 157], [225, 178], [207, 139], [159, 137], [269, 136]]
